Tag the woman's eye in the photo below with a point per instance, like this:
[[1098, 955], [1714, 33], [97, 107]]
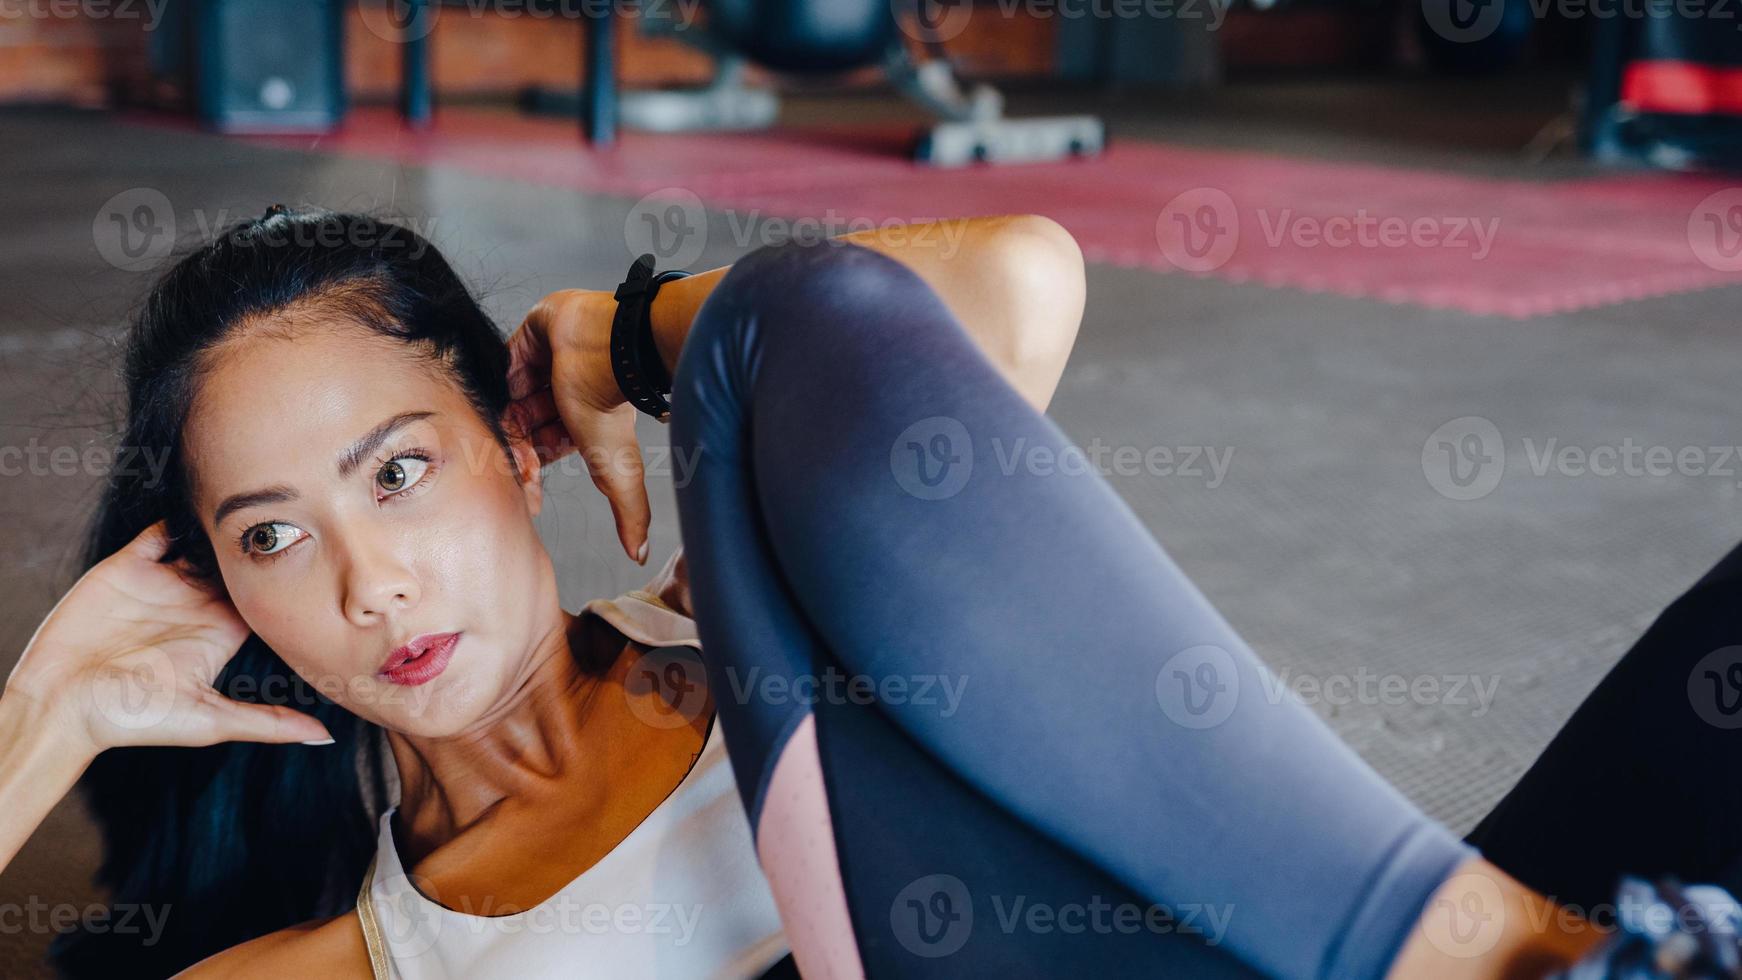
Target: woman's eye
[[400, 473], [269, 539]]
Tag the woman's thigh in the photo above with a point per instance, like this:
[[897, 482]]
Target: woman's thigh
[[853, 507]]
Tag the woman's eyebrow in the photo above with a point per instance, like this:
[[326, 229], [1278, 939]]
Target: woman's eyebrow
[[360, 450], [349, 460], [238, 501]]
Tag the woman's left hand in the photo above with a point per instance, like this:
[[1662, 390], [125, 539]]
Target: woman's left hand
[[566, 398]]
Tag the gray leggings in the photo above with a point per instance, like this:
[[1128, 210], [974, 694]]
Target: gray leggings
[[1044, 750]]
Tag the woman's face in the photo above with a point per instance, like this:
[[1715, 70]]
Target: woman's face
[[357, 505]]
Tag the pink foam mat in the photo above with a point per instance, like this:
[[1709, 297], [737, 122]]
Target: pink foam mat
[[1488, 247]]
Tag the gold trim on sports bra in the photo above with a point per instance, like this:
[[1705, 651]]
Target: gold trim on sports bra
[[378, 960]]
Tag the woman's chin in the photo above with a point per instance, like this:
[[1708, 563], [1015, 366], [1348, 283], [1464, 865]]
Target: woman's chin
[[447, 706]]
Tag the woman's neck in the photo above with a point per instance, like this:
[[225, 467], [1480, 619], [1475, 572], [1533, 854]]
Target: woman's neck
[[549, 735]]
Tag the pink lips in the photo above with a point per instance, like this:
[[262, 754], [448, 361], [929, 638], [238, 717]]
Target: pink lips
[[420, 661]]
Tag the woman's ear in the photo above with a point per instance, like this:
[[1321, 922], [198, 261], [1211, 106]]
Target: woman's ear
[[526, 465]]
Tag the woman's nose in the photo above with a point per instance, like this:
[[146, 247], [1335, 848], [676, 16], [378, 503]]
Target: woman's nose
[[377, 584]]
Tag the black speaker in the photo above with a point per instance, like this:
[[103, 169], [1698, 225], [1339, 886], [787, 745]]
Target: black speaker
[[270, 66]]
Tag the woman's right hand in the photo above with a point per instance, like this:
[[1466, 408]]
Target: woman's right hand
[[129, 656], [565, 397]]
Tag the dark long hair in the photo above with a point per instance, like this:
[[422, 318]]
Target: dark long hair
[[232, 841]]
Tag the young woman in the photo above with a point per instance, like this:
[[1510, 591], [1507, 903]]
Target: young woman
[[351, 503]]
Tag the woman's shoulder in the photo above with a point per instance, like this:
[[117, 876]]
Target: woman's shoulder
[[330, 948]]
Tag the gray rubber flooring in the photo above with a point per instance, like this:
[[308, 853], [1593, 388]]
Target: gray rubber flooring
[[1324, 541]]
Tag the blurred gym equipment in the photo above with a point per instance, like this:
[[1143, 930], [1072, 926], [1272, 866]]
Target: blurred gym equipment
[[821, 37], [1666, 90]]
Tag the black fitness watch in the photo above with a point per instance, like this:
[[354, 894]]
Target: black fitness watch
[[635, 363]]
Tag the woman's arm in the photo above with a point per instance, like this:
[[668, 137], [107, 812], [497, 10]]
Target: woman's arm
[[127, 657], [37, 769], [333, 949], [1015, 282]]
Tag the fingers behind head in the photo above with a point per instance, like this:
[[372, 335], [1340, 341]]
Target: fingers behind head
[[150, 544], [529, 355], [235, 721]]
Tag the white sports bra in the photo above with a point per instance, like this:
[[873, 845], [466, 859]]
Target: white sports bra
[[682, 896]]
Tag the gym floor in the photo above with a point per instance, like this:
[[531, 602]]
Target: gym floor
[[1308, 493]]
